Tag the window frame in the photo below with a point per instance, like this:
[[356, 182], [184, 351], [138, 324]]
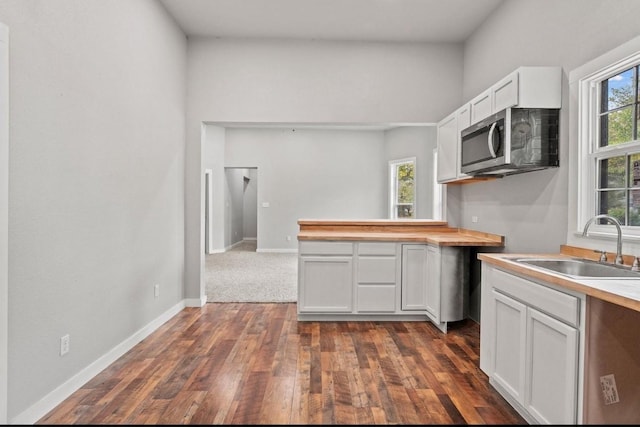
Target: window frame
[[589, 95], [393, 186]]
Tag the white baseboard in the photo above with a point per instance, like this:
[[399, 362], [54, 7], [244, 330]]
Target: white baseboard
[[227, 248], [252, 239], [53, 399], [196, 302], [282, 251]]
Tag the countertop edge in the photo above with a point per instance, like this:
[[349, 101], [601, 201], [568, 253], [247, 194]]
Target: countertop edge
[[442, 238], [501, 260]]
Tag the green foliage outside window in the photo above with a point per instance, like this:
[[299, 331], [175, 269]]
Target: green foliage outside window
[[406, 185], [617, 126]]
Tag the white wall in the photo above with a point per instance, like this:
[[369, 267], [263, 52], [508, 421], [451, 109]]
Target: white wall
[[96, 182], [418, 142], [531, 209], [4, 217], [310, 173], [250, 205], [234, 206], [306, 82], [213, 141]]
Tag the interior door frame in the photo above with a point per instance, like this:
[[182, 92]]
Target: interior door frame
[[208, 211]]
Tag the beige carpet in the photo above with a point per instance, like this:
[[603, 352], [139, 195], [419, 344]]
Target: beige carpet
[[244, 275]]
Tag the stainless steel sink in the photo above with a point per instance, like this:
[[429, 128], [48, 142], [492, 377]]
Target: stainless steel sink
[[581, 268]]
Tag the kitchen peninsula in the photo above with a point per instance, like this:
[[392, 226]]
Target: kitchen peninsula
[[385, 270]]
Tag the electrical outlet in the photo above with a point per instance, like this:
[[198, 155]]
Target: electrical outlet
[[156, 290], [64, 345], [474, 219], [609, 389], [288, 238]]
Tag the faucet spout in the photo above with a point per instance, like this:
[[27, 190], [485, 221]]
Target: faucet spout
[[612, 220]]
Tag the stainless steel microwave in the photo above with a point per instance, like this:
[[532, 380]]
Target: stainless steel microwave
[[515, 140]]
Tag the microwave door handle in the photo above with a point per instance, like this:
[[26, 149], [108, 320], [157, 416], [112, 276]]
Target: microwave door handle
[[490, 140]]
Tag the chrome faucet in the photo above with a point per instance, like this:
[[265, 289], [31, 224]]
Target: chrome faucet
[[615, 222]]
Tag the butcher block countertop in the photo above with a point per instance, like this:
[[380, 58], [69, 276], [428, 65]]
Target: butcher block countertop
[[623, 292], [419, 231]]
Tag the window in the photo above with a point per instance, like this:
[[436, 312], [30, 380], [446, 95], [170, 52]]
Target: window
[[609, 143], [402, 191], [618, 170]]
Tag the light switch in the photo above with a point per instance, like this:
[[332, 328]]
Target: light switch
[[265, 204]]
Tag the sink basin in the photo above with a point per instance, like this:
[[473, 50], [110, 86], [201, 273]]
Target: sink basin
[[582, 268]]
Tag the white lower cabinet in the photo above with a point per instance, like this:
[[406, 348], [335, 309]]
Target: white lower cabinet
[[510, 322], [435, 280], [325, 277], [415, 274], [327, 284], [381, 280], [433, 284], [529, 345], [551, 369], [377, 277]]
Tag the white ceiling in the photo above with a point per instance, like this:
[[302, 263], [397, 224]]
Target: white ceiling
[[363, 20]]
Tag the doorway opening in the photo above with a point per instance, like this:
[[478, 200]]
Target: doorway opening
[[241, 207]]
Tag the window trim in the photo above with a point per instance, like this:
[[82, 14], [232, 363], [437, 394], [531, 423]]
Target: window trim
[[584, 86], [393, 187]]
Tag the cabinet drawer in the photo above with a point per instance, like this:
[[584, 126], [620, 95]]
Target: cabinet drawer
[[376, 248], [325, 248], [376, 298], [376, 269], [558, 304]]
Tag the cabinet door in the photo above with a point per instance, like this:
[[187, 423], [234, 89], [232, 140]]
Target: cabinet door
[[505, 93], [414, 277], [463, 122], [481, 106], [432, 298], [552, 366], [464, 117], [510, 326], [448, 149], [325, 284]]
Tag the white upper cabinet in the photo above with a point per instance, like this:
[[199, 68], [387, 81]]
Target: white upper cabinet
[[449, 144], [504, 94], [448, 148], [481, 106], [526, 87]]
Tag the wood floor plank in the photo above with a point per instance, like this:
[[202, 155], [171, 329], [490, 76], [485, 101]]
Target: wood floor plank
[[254, 363], [437, 412], [456, 394], [277, 402], [149, 412], [250, 394]]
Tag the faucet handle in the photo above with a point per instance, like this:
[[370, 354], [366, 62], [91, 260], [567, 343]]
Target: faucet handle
[[603, 255], [636, 264]]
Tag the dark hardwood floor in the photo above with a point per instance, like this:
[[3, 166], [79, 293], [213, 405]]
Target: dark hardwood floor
[[254, 363]]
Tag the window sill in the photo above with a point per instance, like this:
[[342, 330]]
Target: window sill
[[601, 235]]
